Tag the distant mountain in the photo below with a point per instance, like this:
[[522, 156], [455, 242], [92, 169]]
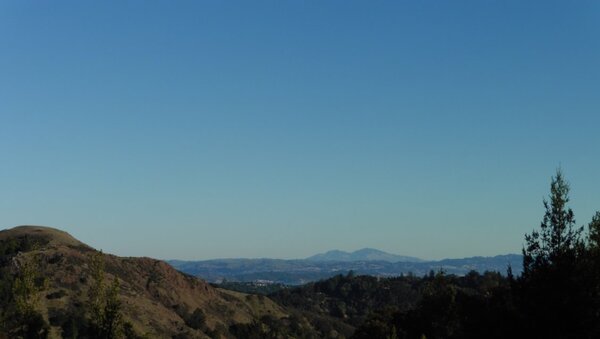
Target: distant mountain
[[365, 254], [296, 272]]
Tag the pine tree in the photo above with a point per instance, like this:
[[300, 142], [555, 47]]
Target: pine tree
[[25, 290], [558, 239], [96, 293], [104, 303], [113, 319], [552, 294], [594, 233], [26, 287]]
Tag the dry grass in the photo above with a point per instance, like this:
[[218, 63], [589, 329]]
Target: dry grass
[[154, 295]]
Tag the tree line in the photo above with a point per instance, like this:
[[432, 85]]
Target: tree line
[[556, 296]]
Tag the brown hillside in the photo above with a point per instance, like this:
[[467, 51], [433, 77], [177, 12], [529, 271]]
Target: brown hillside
[[155, 296]]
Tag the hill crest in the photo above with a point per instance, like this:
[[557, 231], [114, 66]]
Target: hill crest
[[157, 300], [48, 235]]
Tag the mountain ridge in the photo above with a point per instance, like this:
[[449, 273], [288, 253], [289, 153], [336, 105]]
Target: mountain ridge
[[363, 254], [301, 271]]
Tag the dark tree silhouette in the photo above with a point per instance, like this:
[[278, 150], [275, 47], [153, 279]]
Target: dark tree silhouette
[[558, 239], [552, 292]]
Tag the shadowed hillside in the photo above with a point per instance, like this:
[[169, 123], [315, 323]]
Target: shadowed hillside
[[155, 299]]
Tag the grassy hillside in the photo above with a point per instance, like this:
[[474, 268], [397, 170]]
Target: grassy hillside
[[155, 299]]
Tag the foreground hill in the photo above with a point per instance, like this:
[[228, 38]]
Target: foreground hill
[[156, 300]]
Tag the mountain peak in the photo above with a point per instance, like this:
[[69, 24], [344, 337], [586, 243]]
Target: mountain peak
[[363, 254], [368, 250]]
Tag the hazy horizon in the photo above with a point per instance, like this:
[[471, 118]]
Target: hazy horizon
[[198, 130], [349, 251]]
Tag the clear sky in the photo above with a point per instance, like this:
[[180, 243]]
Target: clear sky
[[204, 129]]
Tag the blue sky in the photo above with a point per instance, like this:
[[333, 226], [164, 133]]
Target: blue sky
[[204, 129]]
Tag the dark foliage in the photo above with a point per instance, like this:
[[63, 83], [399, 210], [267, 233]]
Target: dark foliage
[[196, 320], [251, 287], [557, 296], [351, 297], [295, 326]]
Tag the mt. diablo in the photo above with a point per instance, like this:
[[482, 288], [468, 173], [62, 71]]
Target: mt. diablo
[[365, 254], [322, 266]]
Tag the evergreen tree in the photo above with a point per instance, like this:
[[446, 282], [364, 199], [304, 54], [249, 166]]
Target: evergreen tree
[[26, 287], [105, 306], [113, 319], [25, 290], [552, 292], [594, 233], [592, 271], [558, 239], [96, 293]]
